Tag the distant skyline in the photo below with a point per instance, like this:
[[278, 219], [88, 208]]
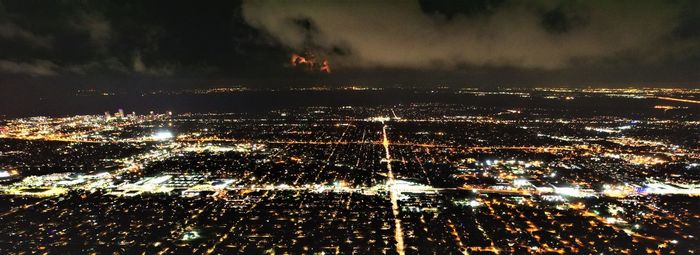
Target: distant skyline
[[69, 45]]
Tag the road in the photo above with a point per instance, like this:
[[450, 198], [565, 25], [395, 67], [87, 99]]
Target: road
[[393, 196]]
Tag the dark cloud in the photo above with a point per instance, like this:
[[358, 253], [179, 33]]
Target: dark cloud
[[476, 42], [35, 68], [13, 32], [105, 38], [97, 27], [526, 34]]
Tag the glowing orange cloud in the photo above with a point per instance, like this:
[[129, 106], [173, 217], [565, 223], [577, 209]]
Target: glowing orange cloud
[[325, 67], [296, 59], [310, 63]]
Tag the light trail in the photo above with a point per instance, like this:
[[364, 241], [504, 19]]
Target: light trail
[[398, 232], [394, 113], [420, 163], [339, 142], [27, 206], [346, 142], [458, 240], [680, 100]]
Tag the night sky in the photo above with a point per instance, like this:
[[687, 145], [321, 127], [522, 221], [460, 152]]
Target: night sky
[[125, 43]]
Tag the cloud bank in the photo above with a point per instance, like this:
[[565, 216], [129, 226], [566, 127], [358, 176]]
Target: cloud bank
[[36, 68], [11, 31], [524, 34]]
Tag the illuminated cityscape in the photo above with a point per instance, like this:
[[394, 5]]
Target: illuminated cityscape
[[538, 177], [358, 127]]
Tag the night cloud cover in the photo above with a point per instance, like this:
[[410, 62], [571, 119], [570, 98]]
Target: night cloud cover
[[433, 42], [528, 34]]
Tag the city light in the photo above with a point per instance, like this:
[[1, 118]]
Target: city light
[[163, 135], [473, 127], [466, 182]]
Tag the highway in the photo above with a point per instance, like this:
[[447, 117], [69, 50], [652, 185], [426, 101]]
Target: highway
[[398, 232], [679, 100]]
